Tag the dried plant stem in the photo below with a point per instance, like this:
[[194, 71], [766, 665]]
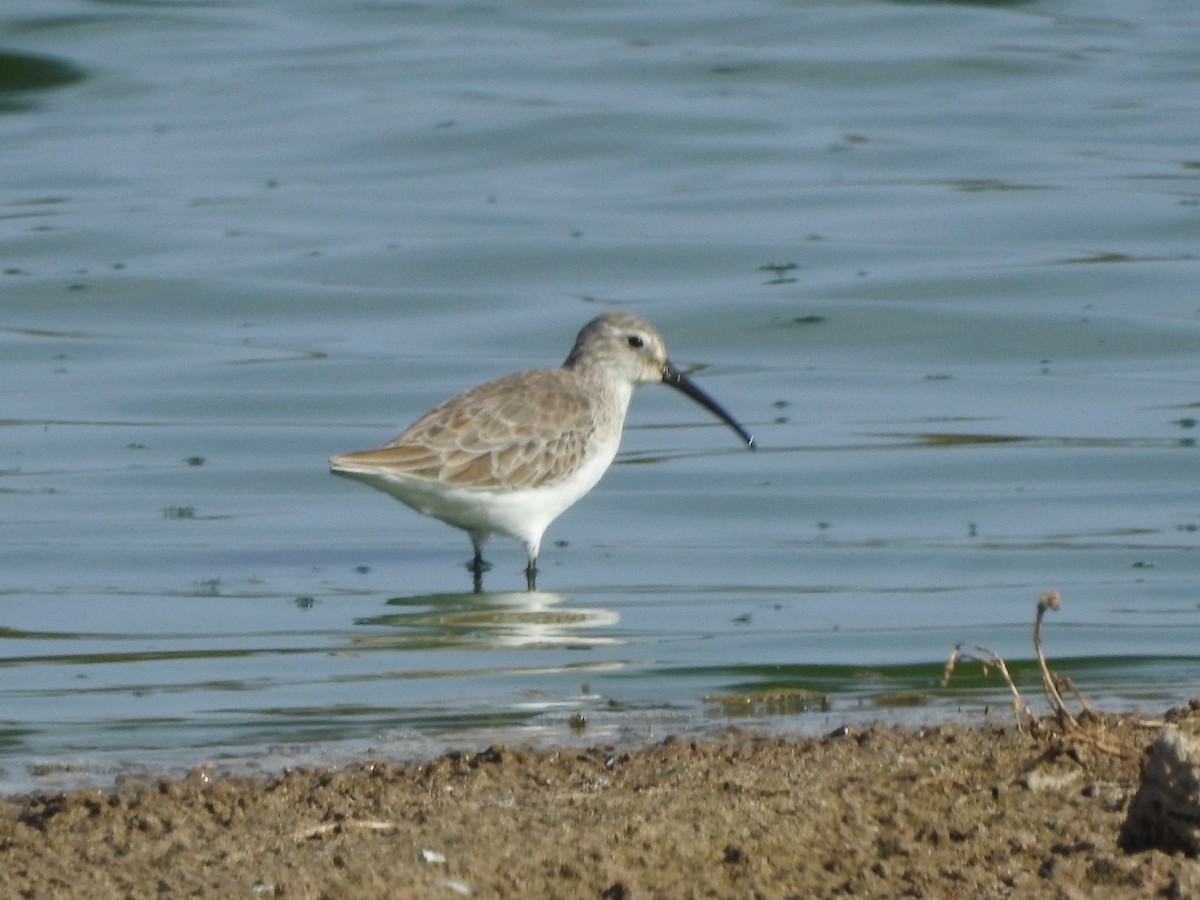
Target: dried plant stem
[[988, 659], [1052, 682], [1050, 600]]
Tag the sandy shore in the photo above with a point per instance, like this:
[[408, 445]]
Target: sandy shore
[[945, 811]]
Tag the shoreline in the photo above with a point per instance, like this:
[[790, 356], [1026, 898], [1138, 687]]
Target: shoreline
[[104, 770], [943, 810]]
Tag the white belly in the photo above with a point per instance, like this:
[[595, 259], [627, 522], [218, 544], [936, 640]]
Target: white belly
[[524, 513]]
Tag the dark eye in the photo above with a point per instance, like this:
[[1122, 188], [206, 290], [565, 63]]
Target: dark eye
[[635, 340]]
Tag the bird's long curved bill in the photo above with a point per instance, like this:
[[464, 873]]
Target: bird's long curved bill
[[681, 382]]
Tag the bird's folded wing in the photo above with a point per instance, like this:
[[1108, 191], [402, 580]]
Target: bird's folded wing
[[524, 431]]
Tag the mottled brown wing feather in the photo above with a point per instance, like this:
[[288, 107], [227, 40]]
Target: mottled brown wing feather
[[523, 431]]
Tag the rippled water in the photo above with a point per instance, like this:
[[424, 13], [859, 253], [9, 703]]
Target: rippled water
[[942, 258]]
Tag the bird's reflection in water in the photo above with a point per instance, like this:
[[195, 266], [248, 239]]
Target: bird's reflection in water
[[481, 620]]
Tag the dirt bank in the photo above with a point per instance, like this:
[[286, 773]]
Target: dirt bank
[[946, 811]]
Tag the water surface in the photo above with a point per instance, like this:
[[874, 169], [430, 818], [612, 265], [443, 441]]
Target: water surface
[[940, 258]]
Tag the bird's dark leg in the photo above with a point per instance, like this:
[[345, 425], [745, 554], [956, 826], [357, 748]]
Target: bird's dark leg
[[478, 565], [531, 573]]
